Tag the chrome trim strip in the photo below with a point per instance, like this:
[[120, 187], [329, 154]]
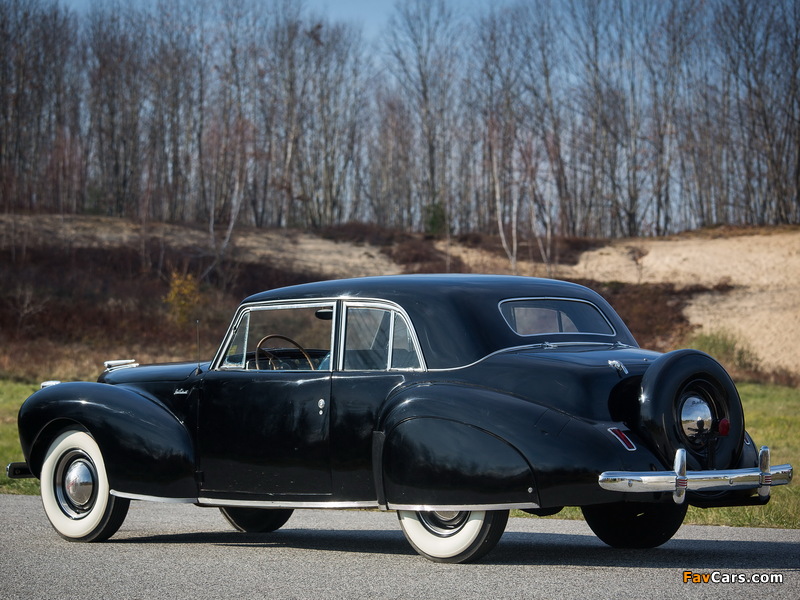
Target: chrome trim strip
[[127, 363], [146, 498], [334, 504], [459, 507], [286, 504], [536, 346], [679, 480]]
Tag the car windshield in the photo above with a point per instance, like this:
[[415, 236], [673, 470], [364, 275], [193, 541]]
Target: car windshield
[[542, 316]]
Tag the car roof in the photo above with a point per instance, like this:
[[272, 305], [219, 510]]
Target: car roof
[[456, 316]]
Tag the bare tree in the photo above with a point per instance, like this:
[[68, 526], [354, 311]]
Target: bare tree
[[423, 57], [41, 139], [499, 91], [587, 118], [390, 147], [116, 50]]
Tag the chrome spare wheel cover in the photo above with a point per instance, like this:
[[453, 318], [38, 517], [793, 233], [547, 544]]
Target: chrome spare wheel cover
[[696, 418], [75, 484], [444, 523]]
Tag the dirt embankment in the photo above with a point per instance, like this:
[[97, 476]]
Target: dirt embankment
[[763, 306], [759, 270]]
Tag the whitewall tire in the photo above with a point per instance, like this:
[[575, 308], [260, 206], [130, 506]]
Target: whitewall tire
[[75, 490], [453, 537]]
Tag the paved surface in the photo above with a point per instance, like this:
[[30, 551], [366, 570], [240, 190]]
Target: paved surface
[[169, 551]]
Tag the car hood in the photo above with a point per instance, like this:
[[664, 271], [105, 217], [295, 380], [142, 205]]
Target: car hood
[[163, 373]]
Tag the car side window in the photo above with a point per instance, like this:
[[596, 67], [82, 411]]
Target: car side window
[[366, 342], [237, 349], [378, 339], [293, 338], [404, 355]]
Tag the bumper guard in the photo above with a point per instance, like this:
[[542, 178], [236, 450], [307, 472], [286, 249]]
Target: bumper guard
[[679, 480]]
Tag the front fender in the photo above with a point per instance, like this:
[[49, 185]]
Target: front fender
[[146, 449]]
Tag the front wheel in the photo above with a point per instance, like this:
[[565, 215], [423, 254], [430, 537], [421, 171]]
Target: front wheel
[[256, 520], [453, 536], [75, 491], [635, 524]]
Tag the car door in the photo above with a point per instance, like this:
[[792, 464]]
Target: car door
[[378, 353], [263, 416]]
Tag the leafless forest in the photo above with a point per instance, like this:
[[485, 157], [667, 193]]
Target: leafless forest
[[593, 118]]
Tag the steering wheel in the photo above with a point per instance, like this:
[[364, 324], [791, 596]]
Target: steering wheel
[[271, 356]]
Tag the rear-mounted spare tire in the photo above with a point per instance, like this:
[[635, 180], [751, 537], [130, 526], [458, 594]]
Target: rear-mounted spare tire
[[689, 401]]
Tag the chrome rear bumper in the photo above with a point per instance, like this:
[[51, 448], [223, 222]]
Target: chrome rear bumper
[[679, 480]]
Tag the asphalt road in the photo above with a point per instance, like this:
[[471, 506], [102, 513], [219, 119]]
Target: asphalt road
[[180, 551]]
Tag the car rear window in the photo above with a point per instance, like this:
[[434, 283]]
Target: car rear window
[[541, 316]]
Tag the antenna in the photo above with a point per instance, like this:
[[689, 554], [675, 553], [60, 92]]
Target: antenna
[[197, 329]]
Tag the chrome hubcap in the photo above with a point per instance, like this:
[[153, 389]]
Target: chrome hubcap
[[75, 484], [444, 523], [696, 418], [79, 483]]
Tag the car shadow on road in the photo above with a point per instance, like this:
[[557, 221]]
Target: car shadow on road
[[515, 548], [580, 550], [330, 540]]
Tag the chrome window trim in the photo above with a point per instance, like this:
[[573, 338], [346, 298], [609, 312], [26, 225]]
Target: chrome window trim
[[581, 300], [245, 315], [219, 358], [339, 305], [392, 308]]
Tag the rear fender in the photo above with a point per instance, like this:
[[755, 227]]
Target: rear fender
[[147, 450], [438, 463], [452, 445], [449, 444]]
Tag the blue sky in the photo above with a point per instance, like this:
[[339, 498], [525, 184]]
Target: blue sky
[[373, 15]]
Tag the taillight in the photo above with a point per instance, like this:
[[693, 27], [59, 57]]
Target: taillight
[[624, 439], [724, 427]]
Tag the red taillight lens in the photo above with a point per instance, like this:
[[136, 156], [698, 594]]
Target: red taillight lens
[[724, 427], [624, 439]]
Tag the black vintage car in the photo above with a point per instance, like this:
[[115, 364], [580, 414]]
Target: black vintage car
[[450, 399]]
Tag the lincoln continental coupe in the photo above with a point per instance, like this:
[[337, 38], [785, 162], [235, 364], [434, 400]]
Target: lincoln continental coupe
[[450, 399]]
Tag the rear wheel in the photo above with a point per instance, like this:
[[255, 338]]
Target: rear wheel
[[75, 490], [635, 524], [453, 536], [256, 520]]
